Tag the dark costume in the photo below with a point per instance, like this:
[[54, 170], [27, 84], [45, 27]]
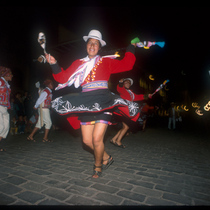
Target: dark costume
[[95, 97]]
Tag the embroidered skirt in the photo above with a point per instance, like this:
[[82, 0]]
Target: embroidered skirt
[[93, 102]]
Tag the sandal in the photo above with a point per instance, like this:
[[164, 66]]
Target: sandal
[[110, 161], [46, 140], [30, 139], [121, 146], [117, 145], [96, 173], [112, 142]]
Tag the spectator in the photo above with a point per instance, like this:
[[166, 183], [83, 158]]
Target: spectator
[[19, 107], [21, 124], [14, 128], [6, 76], [172, 116]]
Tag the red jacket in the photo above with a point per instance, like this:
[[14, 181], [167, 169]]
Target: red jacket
[[102, 71], [129, 95], [4, 94]]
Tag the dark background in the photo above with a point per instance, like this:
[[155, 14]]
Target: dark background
[[184, 60]]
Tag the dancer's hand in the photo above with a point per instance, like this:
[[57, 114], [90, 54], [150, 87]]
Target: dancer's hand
[[150, 96], [135, 41], [50, 59]]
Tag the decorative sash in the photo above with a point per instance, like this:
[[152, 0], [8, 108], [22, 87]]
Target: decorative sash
[[131, 94], [81, 73], [78, 77]]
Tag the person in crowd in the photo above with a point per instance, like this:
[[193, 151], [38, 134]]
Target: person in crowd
[[93, 106], [14, 127], [12, 108], [43, 105], [5, 77], [19, 106], [31, 122], [172, 116], [123, 89], [28, 105], [21, 124]]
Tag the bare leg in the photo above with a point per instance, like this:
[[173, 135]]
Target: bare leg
[[98, 142], [114, 139], [30, 137], [1, 149], [123, 131], [46, 132], [93, 136], [144, 125]]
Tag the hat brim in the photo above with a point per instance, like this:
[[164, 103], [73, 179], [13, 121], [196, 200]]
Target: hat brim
[[103, 43], [129, 80]]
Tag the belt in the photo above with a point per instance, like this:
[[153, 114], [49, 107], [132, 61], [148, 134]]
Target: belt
[[94, 86]]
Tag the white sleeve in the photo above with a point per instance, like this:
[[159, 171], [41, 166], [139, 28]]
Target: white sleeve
[[41, 98]]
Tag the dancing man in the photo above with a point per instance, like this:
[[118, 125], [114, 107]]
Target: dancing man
[[6, 76], [94, 104], [123, 89], [43, 105]]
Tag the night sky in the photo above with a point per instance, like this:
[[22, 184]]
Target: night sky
[[184, 60]]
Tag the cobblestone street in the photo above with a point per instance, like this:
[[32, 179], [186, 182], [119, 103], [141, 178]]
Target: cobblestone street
[[158, 167]]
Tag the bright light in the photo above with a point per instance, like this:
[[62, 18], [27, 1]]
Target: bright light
[[207, 106], [186, 109], [151, 77], [199, 112], [195, 105]]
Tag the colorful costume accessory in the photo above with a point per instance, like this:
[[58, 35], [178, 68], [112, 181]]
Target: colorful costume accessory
[[146, 44], [161, 86]]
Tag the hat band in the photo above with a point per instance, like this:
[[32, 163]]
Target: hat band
[[92, 36]]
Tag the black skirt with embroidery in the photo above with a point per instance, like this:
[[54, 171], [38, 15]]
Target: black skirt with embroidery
[[92, 102]]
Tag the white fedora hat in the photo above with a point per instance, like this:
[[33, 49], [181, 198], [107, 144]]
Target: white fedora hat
[[95, 34], [131, 81]]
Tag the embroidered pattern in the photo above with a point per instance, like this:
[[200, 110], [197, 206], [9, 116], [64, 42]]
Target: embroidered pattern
[[132, 106], [65, 107], [91, 76]]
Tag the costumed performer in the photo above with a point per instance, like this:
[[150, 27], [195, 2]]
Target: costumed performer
[[123, 89], [43, 105], [95, 101], [6, 76]]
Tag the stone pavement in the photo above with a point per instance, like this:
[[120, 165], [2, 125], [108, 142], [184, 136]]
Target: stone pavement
[[158, 167]]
